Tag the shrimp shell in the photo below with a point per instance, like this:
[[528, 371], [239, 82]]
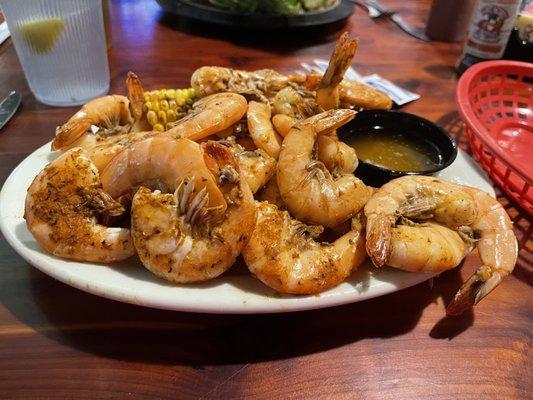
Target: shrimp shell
[[161, 158], [283, 254], [174, 234], [308, 189], [210, 115], [497, 247], [62, 207], [261, 130]]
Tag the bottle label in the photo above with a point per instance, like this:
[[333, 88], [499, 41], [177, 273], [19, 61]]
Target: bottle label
[[491, 27]]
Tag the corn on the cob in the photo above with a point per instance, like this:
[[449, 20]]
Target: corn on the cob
[[164, 107]]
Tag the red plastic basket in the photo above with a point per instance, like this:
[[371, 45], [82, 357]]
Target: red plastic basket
[[495, 99]]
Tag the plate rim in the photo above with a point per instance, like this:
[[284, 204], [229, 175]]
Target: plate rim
[[110, 291]]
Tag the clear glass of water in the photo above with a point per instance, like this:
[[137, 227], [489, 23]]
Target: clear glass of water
[[61, 46]]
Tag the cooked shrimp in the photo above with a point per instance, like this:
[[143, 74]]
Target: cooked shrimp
[[283, 123], [101, 118], [337, 156], [259, 85], [327, 92], [361, 95], [283, 254], [104, 152], [261, 130], [109, 115], [162, 161], [62, 208], [175, 235], [294, 103], [270, 193], [426, 247], [135, 95], [420, 197], [239, 129], [287, 102], [256, 166], [309, 190], [467, 213], [210, 115], [497, 247], [354, 93]]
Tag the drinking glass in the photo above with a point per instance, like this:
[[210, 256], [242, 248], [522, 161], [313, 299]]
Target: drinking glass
[[61, 46]]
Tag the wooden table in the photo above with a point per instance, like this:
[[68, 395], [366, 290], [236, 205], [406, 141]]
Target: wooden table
[[59, 342]]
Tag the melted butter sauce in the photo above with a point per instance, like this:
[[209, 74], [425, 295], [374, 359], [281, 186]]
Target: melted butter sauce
[[395, 151]]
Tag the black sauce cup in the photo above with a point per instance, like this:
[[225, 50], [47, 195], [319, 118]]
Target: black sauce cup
[[402, 123]]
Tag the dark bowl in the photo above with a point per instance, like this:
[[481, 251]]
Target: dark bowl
[[405, 124]]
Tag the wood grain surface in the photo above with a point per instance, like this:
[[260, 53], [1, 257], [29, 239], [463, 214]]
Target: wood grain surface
[[57, 342]]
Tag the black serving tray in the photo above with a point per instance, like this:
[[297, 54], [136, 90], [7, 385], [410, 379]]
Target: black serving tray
[[187, 8]]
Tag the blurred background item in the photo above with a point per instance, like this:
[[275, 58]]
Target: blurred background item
[[61, 47], [520, 45], [378, 11], [490, 27], [448, 19], [261, 14], [107, 24], [272, 7]]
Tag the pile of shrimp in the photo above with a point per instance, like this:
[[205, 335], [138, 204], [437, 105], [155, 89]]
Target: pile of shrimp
[[255, 169]]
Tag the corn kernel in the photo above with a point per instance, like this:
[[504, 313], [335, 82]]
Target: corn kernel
[[162, 117], [151, 116], [163, 105], [171, 115], [159, 127]]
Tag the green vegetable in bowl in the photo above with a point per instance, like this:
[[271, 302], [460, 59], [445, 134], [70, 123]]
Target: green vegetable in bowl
[[273, 7], [243, 6], [313, 5], [282, 7]]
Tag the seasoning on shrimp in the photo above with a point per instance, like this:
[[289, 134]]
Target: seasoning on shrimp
[[210, 115], [261, 130], [256, 166], [454, 219], [62, 208], [102, 118], [161, 161], [175, 234], [284, 255], [310, 191]]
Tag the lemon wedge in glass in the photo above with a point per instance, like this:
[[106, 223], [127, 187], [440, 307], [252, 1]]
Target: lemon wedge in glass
[[41, 35]]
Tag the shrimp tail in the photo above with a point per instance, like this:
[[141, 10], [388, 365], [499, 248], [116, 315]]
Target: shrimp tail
[[72, 130], [135, 95], [340, 61], [330, 120], [220, 161], [378, 243], [480, 284], [327, 93]]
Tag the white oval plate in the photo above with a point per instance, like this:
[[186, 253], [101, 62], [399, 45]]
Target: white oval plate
[[235, 293]]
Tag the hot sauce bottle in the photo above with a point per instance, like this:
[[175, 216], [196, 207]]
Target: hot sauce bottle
[[490, 27]]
